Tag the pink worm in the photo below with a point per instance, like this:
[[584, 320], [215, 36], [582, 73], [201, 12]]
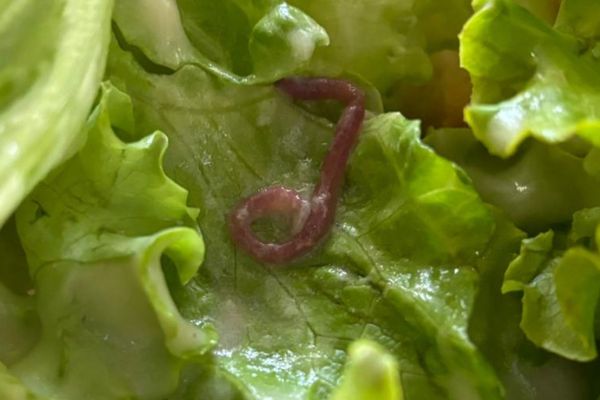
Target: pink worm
[[313, 218]]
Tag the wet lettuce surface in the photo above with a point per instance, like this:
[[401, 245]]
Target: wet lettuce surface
[[463, 263]]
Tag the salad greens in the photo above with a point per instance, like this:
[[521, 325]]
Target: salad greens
[[360, 266], [463, 263], [101, 250], [560, 287], [52, 63], [544, 86], [370, 373]]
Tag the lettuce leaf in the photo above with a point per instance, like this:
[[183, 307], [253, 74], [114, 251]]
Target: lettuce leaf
[[399, 267], [94, 233], [13, 267], [51, 62], [539, 187], [441, 22], [370, 374], [245, 42], [380, 43], [580, 18], [559, 277], [396, 303], [13, 389], [544, 85], [20, 325], [546, 10]]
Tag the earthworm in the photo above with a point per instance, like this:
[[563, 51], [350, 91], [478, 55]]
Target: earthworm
[[314, 217]]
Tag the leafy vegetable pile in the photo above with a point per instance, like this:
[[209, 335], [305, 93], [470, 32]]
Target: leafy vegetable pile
[[464, 260]]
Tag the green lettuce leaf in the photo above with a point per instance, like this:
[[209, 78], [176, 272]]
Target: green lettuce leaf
[[245, 42], [370, 374], [396, 303], [539, 187], [13, 264], [580, 18], [436, 97], [20, 325], [94, 233], [544, 85], [13, 389], [381, 43], [441, 22], [398, 269], [526, 371], [51, 62], [559, 276], [546, 10]]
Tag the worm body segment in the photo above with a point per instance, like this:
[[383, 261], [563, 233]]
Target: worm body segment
[[314, 217]]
